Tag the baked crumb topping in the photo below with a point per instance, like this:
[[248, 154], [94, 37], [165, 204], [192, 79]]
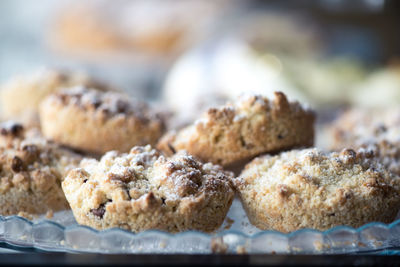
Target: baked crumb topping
[[252, 125], [146, 178], [376, 131], [109, 103], [28, 161], [330, 174]]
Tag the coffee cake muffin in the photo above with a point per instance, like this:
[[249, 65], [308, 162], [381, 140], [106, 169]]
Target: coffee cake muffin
[[145, 190], [20, 96], [377, 130], [31, 170], [251, 126], [98, 122], [313, 189]]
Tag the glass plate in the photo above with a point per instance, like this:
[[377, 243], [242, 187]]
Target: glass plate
[[236, 235]]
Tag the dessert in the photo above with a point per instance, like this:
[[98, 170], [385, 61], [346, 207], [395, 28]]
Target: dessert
[[251, 126], [312, 189], [145, 190], [31, 170], [97, 122]]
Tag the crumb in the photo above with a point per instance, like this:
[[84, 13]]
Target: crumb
[[218, 246], [229, 223], [241, 250], [49, 214], [319, 246], [361, 244], [27, 215]]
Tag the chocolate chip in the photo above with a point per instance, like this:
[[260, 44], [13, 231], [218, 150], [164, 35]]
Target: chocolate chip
[[106, 111], [347, 195], [331, 214], [16, 129], [242, 141], [280, 136], [63, 98], [163, 200], [84, 181], [99, 212], [122, 106], [17, 164], [96, 103]]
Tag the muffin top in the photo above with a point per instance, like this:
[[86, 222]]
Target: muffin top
[[107, 103], [361, 126], [321, 180], [251, 125], [145, 179], [49, 80], [377, 130]]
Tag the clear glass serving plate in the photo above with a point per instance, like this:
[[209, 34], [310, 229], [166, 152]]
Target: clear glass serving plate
[[236, 235]]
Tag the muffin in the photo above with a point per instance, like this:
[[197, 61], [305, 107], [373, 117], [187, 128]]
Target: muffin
[[239, 131], [31, 170], [21, 95], [145, 190], [377, 130], [312, 189], [97, 122]]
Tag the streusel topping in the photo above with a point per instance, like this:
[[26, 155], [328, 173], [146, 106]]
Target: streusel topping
[[109, 103], [28, 161], [145, 171], [243, 129], [310, 188]]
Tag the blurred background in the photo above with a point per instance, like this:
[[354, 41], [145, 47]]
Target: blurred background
[[190, 54]]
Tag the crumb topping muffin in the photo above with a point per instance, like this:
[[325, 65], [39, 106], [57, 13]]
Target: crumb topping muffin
[[21, 96], [98, 122], [244, 129], [31, 170], [377, 130], [313, 189], [145, 190]]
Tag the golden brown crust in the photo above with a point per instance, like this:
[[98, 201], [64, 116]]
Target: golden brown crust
[[370, 129], [312, 189], [145, 190], [98, 122], [31, 170], [245, 129]]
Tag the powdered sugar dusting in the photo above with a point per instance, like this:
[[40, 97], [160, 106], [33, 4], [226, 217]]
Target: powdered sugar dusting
[[146, 170], [110, 103]]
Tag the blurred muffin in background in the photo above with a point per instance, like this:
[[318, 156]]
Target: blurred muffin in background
[[297, 45], [380, 89], [160, 27], [21, 95], [328, 82], [375, 130], [283, 33], [248, 57], [229, 65]]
